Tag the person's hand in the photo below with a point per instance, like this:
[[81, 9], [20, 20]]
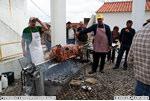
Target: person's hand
[[77, 34], [110, 47], [127, 30], [37, 19]]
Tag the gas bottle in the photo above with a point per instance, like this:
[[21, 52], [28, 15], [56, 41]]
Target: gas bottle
[[0, 84], [4, 81]]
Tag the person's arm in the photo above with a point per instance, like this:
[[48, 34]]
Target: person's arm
[[44, 27], [130, 58], [87, 30], [134, 32], [23, 43], [109, 34], [120, 36], [23, 47], [49, 36]]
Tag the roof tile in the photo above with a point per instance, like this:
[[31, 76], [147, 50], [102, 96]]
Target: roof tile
[[124, 6]]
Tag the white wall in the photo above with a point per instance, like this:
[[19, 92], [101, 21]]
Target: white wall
[[14, 18], [12, 22], [11, 26], [116, 19], [11, 66], [119, 19]]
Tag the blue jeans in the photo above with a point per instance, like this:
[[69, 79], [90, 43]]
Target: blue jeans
[[48, 45], [120, 55], [142, 89], [70, 41]]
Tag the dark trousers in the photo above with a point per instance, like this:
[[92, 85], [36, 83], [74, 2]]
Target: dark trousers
[[70, 41], [111, 55], [48, 45], [120, 54], [142, 89], [96, 57]]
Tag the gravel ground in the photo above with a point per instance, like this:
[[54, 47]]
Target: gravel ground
[[111, 83], [13, 90]]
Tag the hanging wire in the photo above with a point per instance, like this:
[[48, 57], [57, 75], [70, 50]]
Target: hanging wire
[[39, 8]]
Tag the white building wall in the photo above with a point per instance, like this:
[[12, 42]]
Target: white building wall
[[138, 13], [119, 19], [12, 22], [13, 16], [116, 19]]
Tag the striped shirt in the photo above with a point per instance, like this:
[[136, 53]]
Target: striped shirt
[[139, 55]]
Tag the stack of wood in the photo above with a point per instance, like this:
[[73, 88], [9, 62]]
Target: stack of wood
[[62, 53]]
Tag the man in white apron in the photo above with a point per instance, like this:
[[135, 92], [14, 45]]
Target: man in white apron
[[31, 41], [101, 44]]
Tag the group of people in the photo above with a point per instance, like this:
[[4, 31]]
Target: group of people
[[71, 30], [102, 42], [136, 46]]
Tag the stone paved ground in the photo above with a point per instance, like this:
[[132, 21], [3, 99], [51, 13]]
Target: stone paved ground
[[111, 83]]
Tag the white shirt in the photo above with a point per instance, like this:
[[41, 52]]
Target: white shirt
[[71, 34]]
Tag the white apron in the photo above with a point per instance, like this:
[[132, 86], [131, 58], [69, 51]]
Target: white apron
[[101, 41], [36, 50]]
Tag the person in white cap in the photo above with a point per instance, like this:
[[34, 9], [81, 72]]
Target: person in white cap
[[101, 44], [31, 41]]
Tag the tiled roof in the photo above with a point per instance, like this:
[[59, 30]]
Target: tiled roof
[[124, 6]]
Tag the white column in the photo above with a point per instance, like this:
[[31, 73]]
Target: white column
[[58, 22], [138, 13]]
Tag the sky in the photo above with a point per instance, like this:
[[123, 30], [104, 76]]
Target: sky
[[76, 10]]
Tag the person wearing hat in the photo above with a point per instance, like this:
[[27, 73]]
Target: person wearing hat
[[70, 33], [31, 41], [101, 43]]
